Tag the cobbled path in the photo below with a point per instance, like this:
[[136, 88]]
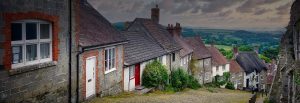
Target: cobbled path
[[189, 96]]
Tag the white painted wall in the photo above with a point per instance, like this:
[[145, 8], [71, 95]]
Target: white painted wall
[[220, 70], [250, 76], [129, 84]]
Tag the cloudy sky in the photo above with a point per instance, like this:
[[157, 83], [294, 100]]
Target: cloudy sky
[[225, 14]]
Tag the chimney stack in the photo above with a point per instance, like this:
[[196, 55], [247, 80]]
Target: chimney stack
[[256, 49], [235, 50], [174, 30], [177, 30], [155, 14]]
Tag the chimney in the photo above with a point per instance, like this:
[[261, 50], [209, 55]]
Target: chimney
[[177, 30], [256, 49], [155, 14], [170, 28], [235, 50], [212, 44]]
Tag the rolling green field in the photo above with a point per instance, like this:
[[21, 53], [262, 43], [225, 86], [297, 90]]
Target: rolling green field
[[221, 47]]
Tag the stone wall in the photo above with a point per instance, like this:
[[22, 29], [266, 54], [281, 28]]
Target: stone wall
[[284, 88], [47, 83]]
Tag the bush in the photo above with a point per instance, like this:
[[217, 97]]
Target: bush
[[155, 75], [180, 80], [193, 83], [230, 85]]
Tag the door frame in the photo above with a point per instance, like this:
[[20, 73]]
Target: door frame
[[95, 69]]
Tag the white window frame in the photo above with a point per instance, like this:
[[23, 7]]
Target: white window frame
[[131, 72], [38, 41], [107, 68]]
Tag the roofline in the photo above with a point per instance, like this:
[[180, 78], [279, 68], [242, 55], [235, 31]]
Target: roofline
[[103, 45], [127, 64], [205, 58]]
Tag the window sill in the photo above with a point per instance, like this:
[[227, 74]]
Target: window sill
[[111, 70], [33, 67]]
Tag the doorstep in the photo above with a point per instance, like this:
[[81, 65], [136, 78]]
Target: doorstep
[[142, 90]]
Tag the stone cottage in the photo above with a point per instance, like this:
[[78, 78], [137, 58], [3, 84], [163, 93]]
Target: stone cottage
[[61, 51], [101, 53], [186, 51], [219, 62], [237, 75], [203, 59], [34, 51], [159, 34], [254, 69], [139, 51]]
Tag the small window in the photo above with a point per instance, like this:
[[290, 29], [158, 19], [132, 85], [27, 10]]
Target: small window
[[27, 47], [131, 72], [110, 59], [217, 68], [173, 57], [223, 67]]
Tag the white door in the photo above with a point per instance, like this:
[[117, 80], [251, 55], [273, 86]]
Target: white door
[[90, 76]]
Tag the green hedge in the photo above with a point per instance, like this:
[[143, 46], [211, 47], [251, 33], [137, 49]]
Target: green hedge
[[155, 75], [230, 85], [181, 80]]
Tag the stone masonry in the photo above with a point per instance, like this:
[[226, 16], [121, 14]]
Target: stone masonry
[[46, 82]]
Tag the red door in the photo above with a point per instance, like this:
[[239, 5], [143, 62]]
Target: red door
[[137, 75]]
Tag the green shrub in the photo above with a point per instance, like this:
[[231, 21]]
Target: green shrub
[[155, 75], [230, 85], [193, 83], [181, 80]]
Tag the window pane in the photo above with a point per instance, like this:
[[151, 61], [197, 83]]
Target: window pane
[[31, 52], [45, 31], [17, 54], [31, 31], [16, 30], [110, 57], [45, 50]]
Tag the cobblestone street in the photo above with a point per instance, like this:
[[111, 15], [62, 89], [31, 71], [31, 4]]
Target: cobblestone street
[[202, 95]]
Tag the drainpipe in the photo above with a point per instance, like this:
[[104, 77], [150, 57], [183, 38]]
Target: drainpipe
[[77, 73], [203, 72], [70, 51]]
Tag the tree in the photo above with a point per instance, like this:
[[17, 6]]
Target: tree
[[271, 52], [245, 48]]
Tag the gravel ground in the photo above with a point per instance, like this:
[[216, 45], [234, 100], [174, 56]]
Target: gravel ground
[[188, 96]]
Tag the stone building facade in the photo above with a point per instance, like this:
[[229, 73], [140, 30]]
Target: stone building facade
[[34, 66], [203, 59], [286, 87]]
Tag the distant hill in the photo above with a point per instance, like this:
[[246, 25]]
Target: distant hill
[[229, 37]]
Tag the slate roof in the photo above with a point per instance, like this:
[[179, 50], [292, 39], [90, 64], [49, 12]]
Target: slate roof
[[234, 67], [217, 56], [250, 62], [186, 48], [94, 29], [140, 47], [199, 49], [157, 32]]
